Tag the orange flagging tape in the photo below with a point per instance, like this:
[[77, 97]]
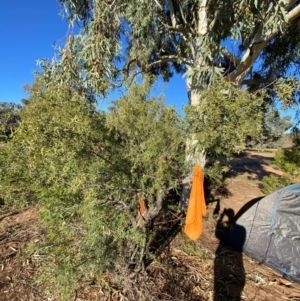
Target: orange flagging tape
[[142, 206], [196, 207]]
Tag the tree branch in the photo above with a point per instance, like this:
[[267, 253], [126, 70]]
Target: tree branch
[[169, 58], [173, 17], [258, 44], [214, 21], [152, 212], [202, 18], [163, 59], [259, 81], [182, 14], [127, 66], [293, 14], [181, 28], [229, 55], [158, 4]]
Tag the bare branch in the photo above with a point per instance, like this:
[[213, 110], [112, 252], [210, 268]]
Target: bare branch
[[269, 84], [182, 14], [214, 21], [154, 211], [229, 55], [170, 58], [181, 28], [158, 4], [127, 66], [173, 18], [259, 81], [293, 14]]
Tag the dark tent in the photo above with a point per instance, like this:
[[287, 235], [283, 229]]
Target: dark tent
[[270, 231]]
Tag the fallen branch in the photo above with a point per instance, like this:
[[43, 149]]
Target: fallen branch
[[9, 214]]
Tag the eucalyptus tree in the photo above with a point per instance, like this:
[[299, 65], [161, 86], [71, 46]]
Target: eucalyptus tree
[[273, 130], [251, 42]]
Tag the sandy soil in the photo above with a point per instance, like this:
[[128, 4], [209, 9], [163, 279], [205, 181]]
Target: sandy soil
[[201, 270]]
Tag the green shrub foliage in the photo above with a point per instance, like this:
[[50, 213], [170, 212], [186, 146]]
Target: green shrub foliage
[[84, 168], [223, 119], [288, 160]]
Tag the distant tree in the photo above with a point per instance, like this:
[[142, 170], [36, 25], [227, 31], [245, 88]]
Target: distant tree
[[273, 130], [9, 119], [288, 160]]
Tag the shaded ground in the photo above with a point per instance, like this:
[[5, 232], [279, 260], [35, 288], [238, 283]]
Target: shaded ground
[[244, 183], [201, 270]]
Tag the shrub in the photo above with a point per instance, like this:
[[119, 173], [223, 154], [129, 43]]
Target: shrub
[[84, 169], [289, 161]]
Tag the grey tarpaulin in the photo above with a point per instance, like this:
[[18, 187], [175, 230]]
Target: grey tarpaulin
[[271, 230]]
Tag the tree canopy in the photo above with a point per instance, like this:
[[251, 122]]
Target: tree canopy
[[250, 42]]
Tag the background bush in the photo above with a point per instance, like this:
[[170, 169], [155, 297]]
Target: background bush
[[288, 160]]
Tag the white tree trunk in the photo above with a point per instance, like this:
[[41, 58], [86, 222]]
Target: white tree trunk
[[196, 157], [237, 76]]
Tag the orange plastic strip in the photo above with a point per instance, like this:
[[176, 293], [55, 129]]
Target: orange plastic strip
[[142, 206], [196, 207]]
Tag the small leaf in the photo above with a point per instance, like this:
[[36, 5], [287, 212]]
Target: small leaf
[[270, 7], [284, 15]]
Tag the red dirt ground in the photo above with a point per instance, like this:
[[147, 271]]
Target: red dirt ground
[[186, 271]]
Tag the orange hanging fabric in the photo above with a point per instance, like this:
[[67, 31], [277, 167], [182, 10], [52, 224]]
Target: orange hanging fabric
[[196, 207], [142, 206]]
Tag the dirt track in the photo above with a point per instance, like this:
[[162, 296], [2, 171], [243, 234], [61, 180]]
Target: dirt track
[[201, 270]]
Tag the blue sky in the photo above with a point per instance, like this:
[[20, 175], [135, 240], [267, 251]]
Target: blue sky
[[27, 32], [28, 29]]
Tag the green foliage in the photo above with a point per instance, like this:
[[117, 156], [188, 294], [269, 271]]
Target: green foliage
[[191, 247], [84, 168], [223, 120], [9, 119], [185, 37], [156, 136], [289, 161], [272, 183], [215, 173], [287, 90], [273, 130]]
